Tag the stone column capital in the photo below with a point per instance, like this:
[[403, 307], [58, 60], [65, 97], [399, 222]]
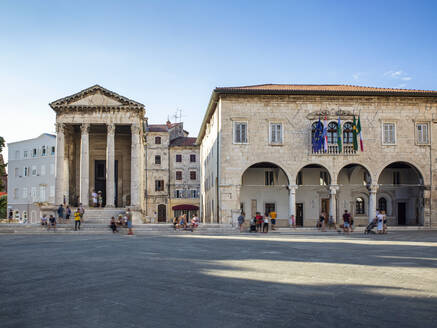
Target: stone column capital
[[293, 188], [85, 128], [373, 188], [333, 189], [135, 128], [110, 128], [60, 128]]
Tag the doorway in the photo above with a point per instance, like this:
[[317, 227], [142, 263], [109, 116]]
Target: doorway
[[269, 207], [401, 214], [161, 213], [253, 208], [299, 214], [100, 179], [325, 206]]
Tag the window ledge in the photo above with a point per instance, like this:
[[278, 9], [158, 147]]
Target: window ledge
[[276, 144]]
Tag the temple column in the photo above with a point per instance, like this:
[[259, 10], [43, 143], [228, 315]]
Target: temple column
[[292, 201], [110, 166], [372, 201], [84, 165], [333, 202], [135, 166], [60, 154]]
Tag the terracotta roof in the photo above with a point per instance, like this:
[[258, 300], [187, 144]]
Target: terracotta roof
[[157, 128], [183, 141], [318, 88]]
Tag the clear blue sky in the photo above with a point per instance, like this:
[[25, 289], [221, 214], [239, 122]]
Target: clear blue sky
[[171, 54]]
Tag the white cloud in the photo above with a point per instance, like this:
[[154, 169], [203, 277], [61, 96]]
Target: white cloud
[[398, 75]]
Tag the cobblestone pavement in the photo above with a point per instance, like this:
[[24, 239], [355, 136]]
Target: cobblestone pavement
[[183, 280]]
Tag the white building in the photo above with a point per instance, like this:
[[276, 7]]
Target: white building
[[31, 168]]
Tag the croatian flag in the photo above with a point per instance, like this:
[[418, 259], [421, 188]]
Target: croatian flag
[[325, 135]]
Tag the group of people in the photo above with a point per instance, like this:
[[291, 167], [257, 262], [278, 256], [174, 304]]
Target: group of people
[[181, 222], [63, 216], [258, 223], [122, 221], [97, 198]]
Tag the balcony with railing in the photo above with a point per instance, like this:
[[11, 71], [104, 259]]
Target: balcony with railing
[[347, 149]]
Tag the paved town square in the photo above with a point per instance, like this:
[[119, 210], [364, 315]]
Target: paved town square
[[302, 279]]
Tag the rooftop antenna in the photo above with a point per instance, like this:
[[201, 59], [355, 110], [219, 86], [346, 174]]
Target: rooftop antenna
[[178, 115]]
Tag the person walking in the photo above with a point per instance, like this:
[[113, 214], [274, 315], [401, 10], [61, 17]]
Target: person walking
[[60, 213], [241, 221], [94, 198], [77, 219], [292, 221], [321, 221], [266, 223], [346, 222], [129, 222], [259, 221], [67, 213], [273, 219], [10, 216], [384, 224], [81, 211], [380, 221], [52, 223]]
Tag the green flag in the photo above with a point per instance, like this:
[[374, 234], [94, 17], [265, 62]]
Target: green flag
[[354, 134], [339, 135]]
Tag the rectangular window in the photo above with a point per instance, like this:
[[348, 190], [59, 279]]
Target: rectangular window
[[193, 193], [43, 170], [178, 175], [276, 133], [42, 193], [178, 193], [25, 193], [396, 178], [25, 154], [159, 185], [157, 140], [52, 191], [16, 172], [34, 170], [34, 194], [26, 171], [389, 134], [240, 132], [52, 150], [268, 178], [157, 159], [17, 154], [422, 133], [324, 179], [193, 158], [43, 151], [34, 152], [192, 175], [178, 158]]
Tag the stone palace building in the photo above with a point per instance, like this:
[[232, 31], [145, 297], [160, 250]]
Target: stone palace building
[[257, 155]]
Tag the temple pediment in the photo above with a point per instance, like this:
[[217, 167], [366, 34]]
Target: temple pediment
[[95, 97]]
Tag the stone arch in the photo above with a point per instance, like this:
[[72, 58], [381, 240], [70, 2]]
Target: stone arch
[[331, 176], [364, 166], [272, 163], [409, 162]]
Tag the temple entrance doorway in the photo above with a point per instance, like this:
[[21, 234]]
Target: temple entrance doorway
[[100, 179]]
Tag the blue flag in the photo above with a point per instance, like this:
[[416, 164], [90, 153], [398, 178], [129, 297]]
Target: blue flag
[[318, 137]]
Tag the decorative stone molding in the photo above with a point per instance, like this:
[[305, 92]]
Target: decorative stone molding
[[333, 189], [135, 128], [373, 188], [334, 114]]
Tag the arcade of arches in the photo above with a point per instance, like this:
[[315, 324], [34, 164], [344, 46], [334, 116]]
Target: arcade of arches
[[398, 190]]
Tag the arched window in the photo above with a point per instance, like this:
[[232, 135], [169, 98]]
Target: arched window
[[347, 133], [382, 204], [313, 130], [332, 132], [359, 205]]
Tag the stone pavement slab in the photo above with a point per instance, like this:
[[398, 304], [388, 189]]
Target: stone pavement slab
[[305, 279]]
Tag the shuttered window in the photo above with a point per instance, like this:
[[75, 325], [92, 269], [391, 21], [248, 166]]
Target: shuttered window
[[422, 133], [389, 134], [275, 133], [240, 132]]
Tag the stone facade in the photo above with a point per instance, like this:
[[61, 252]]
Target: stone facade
[[164, 142], [101, 148], [396, 170], [31, 182]]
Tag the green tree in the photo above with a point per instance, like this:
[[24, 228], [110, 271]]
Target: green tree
[[3, 206], [2, 165]]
